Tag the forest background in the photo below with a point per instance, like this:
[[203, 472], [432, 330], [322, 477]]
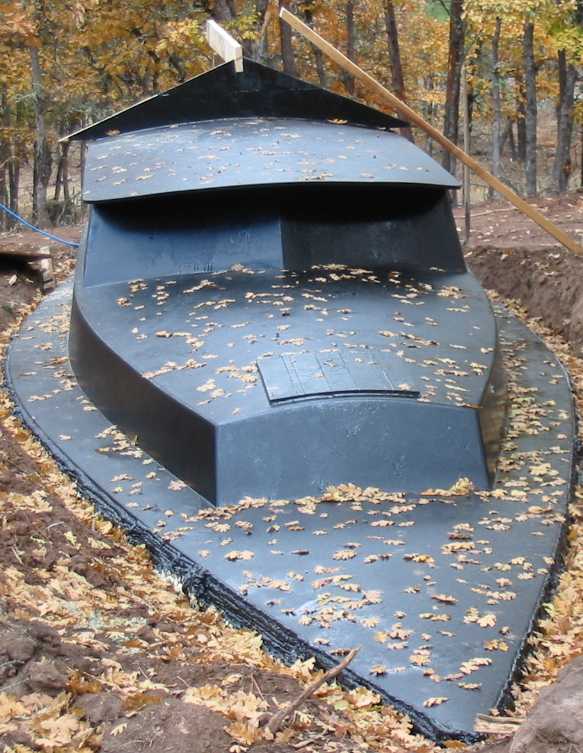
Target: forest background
[[512, 70]]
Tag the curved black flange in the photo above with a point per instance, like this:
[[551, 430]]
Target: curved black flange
[[399, 556]]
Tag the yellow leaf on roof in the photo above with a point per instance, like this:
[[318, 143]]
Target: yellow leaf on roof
[[436, 701]]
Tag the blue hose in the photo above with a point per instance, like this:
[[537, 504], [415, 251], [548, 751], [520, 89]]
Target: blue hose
[[27, 224]]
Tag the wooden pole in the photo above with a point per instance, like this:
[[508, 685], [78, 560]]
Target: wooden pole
[[410, 114]]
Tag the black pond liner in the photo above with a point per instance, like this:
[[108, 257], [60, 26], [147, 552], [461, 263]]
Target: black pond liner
[[510, 542]]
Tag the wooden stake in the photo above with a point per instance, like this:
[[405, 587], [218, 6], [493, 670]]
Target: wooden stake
[[410, 114], [224, 45]]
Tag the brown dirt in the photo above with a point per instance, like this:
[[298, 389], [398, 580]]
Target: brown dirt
[[499, 224], [19, 281], [27, 240], [18, 287], [547, 282], [517, 259], [170, 727]]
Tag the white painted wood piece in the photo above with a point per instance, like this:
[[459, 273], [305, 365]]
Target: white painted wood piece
[[224, 45]]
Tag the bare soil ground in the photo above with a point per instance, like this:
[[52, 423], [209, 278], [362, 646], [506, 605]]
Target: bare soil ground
[[516, 258], [19, 282], [99, 653]]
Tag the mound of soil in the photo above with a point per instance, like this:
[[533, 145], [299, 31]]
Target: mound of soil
[[512, 255], [170, 726], [19, 281], [548, 282]]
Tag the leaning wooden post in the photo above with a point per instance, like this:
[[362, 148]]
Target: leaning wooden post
[[410, 114]]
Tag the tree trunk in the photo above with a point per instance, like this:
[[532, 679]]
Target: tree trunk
[[3, 189], [508, 136], [42, 154], [496, 104], [14, 182], [256, 49], [287, 50], [321, 67], [567, 79], [318, 54], [4, 158], [428, 111], [65, 175], [397, 81], [454, 67], [18, 158], [530, 110], [472, 64], [82, 161], [62, 177], [58, 179], [347, 79], [350, 29], [222, 10], [521, 119]]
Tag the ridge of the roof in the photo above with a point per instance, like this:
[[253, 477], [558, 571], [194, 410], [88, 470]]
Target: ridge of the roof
[[222, 93]]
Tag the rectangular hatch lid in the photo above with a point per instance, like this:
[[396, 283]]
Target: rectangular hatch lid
[[301, 376]]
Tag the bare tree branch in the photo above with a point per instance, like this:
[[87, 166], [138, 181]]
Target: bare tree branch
[[274, 723]]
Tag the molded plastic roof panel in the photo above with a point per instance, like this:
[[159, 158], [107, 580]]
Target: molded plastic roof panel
[[223, 93], [236, 152]]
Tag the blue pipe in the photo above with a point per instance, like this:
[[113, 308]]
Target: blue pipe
[[27, 224]]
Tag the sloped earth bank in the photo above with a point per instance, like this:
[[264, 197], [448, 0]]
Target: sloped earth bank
[[548, 282], [97, 652], [514, 257]]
